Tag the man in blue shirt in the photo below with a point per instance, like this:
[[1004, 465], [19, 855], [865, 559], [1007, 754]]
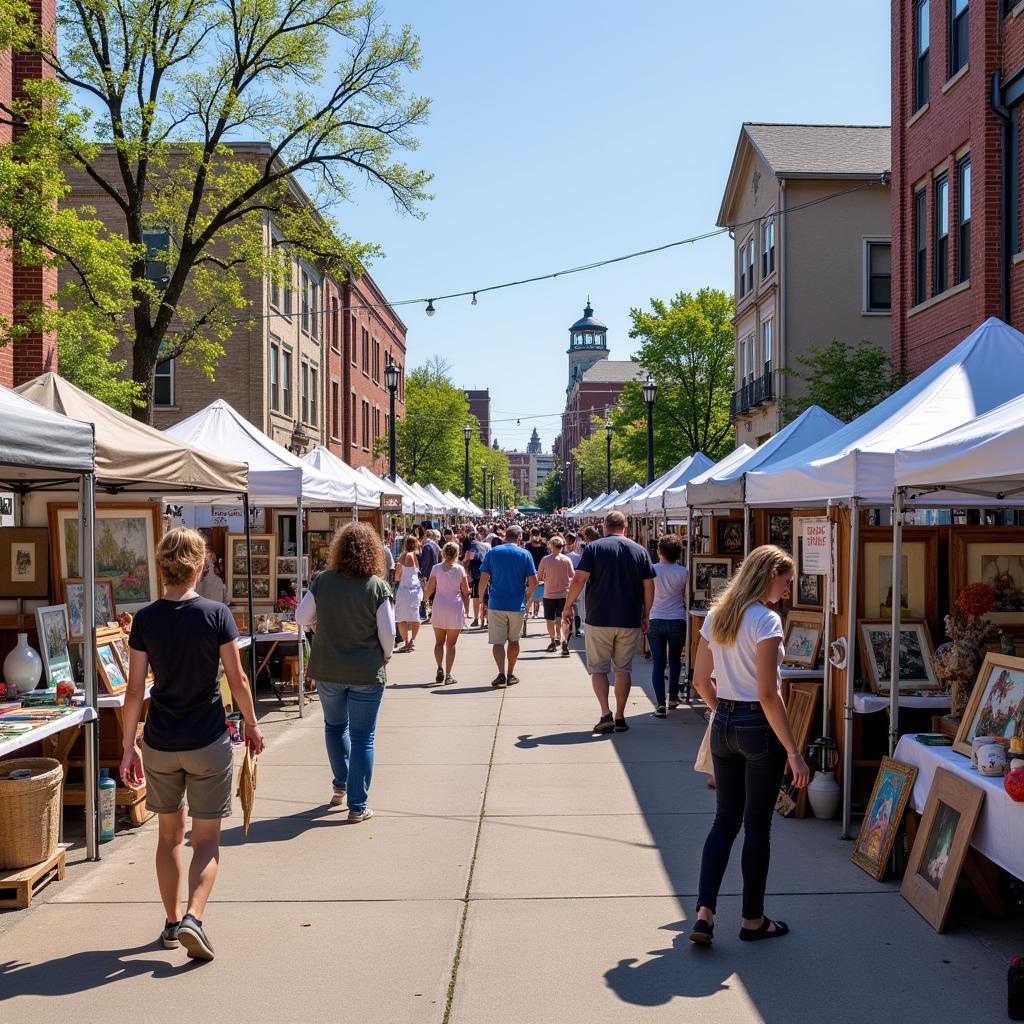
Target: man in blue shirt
[[510, 573]]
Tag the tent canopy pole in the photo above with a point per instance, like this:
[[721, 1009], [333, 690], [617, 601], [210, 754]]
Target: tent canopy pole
[[87, 566], [851, 662], [897, 601]]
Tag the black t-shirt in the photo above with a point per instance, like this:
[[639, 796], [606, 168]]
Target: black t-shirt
[[615, 587], [537, 553], [479, 549], [183, 641]]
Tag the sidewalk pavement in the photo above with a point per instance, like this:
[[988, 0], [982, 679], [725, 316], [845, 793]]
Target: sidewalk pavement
[[518, 869]]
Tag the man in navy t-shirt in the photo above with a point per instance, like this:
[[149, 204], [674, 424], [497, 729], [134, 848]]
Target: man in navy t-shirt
[[619, 579], [510, 573]]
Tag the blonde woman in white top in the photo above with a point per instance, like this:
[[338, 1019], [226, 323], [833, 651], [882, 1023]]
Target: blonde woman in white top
[[751, 741]]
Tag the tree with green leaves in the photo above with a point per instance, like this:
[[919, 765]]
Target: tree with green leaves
[[148, 101], [688, 344], [37, 230], [845, 380], [550, 494]]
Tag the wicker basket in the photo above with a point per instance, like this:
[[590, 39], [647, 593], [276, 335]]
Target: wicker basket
[[30, 811]]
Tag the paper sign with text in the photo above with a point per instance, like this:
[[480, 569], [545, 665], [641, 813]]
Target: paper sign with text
[[816, 554]]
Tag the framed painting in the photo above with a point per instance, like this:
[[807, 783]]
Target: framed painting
[[915, 667], [24, 562], [803, 639], [125, 546], [780, 531], [54, 637], [996, 707], [808, 590], [710, 575], [992, 555], [729, 536], [881, 825], [919, 596], [318, 544], [941, 845], [112, 673], [263, 566], [104, 608], [800, 708]]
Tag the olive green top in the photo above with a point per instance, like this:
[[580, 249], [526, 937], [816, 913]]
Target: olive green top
[[346, 648]]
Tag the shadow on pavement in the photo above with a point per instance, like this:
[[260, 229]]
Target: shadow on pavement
[[281, 830], [447, 691], [79, 972], [560, 739]]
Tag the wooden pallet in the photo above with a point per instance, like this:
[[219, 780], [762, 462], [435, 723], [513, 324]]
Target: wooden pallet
[[17, 888]]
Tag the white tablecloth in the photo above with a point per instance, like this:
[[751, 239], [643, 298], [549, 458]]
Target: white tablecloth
[[268, 638], [999, 834], [78, 717], [796, 674], [116, 700], [869, 703]]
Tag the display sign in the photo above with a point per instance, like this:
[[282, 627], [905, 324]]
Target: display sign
[[816, 556], [391, 502]]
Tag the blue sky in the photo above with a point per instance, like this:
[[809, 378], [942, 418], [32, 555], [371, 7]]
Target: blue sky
[[564, 132]]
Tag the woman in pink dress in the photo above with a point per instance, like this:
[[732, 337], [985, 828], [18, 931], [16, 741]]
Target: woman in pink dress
[[448, 590]]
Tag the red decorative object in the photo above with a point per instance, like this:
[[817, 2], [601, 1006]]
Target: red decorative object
[[285, 604], [1013, 783], [975, 599]]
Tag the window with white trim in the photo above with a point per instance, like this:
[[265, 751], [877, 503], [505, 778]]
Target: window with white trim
[[767, 338], [163, 384], [878, 276], [275, 376], [768, 245]]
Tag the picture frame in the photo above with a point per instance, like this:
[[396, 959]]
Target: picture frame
[[126, 539], [264, 563], [318, 544], [110, 670], [729, 536], [992, 555], [996, 704], [916, 671], [780, 531], [706, 572], [803, 639], [287, 565], [920, 552], [890, 795], [800, 710], [941, 845], [54, 638], [104, 608], [24, 562], [808, 590]]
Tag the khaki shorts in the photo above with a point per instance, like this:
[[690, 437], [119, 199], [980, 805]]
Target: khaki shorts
[[504, 627], [610, 648], [205, 775]]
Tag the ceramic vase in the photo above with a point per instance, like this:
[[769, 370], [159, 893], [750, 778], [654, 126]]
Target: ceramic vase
[[23, 666], [824, 794]]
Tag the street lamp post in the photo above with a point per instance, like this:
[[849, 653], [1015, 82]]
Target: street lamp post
[[391, 380], [467, 433], [608, 438], [567, 485], [483, 487], [650, 393], [492, 488]]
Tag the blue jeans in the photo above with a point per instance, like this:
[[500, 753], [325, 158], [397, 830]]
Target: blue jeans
[[350, 719], [749, 764], [666, 635]]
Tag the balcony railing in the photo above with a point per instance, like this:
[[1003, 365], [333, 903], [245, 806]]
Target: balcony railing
[[757, 392]]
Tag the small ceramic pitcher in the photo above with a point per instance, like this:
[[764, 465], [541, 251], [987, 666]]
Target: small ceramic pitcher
[[976, 744], [992, 760]]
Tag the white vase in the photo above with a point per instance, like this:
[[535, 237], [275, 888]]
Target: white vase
[[23, 666], [824, 793]]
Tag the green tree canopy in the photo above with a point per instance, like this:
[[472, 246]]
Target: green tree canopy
[[149, 97], [688, 345], [845, 380], [549, 494]]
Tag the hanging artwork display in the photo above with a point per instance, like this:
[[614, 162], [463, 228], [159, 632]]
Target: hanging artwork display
[[125, 545], [994, 556], [889, 797], [915, 667], [729, 536], [808, 588], [710, 577], [263, 566], [780, 531], [104, 608], [919, 589], [941, 846], [803, 639], [24, 562]]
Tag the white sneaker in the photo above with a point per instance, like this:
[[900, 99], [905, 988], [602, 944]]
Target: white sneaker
[[340, 792], [357, 816]]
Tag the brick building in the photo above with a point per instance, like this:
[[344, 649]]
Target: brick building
[[308, 368], [480, 407], [957, 87], [35, 352]]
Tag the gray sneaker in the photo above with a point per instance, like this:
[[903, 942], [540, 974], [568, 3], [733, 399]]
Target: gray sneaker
[[338, 797], [193, 938], [355, 815], [169, 936]]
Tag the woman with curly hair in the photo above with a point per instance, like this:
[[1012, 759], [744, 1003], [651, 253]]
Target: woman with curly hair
[[350, 602]]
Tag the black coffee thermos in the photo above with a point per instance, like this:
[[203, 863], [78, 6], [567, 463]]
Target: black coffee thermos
[[1015, 989]]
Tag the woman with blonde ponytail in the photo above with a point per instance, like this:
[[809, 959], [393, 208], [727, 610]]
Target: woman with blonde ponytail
[[751, 741]]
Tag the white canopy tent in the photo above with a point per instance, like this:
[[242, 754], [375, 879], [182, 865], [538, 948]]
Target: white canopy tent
[[586, 504], [621, 503], [277, 479], [446, 502], [326, 462], [602, 504], [649, 499], [676, 500], [429, 503], [856, 465], [40, 449]]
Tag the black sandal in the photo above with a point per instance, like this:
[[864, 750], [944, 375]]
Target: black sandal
[[756, 934], [703, 933]]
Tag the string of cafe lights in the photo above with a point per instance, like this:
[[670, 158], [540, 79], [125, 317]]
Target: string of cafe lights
[[473, 293]]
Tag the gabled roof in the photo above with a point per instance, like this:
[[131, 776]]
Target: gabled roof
[[613, 371], [810, 151]]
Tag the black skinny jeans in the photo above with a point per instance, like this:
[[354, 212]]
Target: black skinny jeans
[[749, 764]]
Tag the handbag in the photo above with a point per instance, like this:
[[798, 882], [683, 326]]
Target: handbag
[[704, 763]]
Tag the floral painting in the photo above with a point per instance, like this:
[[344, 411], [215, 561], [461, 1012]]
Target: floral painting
[[996, 707], [52, 626]]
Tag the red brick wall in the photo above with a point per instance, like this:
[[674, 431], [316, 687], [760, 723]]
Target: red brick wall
[[961, 117], [359, 371], [6, 269]]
